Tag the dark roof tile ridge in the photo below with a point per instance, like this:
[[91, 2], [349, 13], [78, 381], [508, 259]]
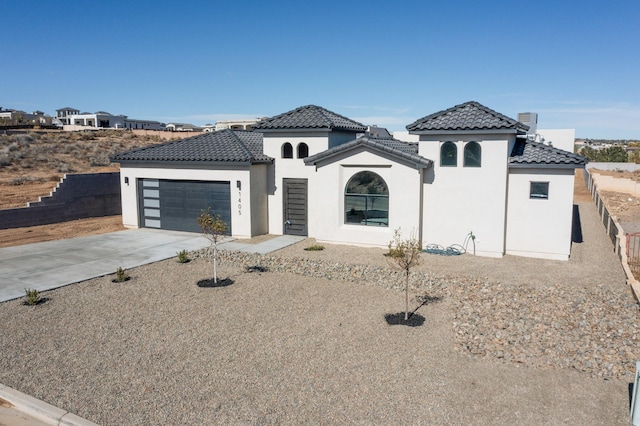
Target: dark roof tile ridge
[[344, 117], [241, 143], [476, 104], [554, 149]]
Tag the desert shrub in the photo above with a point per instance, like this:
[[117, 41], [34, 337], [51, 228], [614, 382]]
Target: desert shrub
[[87, 136], [5, 160], [19, 180], [64, 168], [32, 296], [23, 139], [99, 160], [183, 256], [12, 147], [121, 275], [315, 247]]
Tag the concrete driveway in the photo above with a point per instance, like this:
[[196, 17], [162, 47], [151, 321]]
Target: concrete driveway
[[52, 264]]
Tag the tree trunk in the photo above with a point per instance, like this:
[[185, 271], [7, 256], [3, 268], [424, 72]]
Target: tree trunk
[[215, 257], [406, 298]]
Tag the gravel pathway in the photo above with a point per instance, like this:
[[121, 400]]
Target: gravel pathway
[[303, 339]]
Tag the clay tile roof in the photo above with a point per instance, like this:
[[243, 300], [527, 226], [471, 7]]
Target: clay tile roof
[[467, 116], [233, 146], [401, 150], [526, 153], [310, 117]]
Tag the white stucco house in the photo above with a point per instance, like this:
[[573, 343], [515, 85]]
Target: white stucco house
[[313, 172]]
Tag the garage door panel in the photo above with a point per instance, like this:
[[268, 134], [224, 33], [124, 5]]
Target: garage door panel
[[179, 203]]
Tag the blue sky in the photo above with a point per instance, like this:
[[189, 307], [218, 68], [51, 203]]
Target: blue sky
[[577, 64]]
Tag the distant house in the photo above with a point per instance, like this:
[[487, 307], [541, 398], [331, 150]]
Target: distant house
[[312, 172], [104, 120], [182, 127], [21, 117], [130, 123], [63, 114], [236, 124]]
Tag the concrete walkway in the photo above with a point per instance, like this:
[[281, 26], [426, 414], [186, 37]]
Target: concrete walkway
[[53, 264]]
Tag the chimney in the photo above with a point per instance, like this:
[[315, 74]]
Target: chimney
[[530, 119]]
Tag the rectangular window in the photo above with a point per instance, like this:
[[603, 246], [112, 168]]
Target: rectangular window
[[371, 210], [539, 190]]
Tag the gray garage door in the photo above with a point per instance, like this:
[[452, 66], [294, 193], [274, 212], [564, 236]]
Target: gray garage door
[[175, 205]]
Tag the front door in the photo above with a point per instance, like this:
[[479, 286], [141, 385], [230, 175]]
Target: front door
[[295, 206]]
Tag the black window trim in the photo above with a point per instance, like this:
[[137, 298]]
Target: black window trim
[[539, 194], [455, 148], [467, 147]]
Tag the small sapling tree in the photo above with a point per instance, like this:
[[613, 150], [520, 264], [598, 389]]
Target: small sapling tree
[[213, 228], [404, 255]]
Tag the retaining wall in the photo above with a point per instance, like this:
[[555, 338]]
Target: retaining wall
[[612, 183], [77, 196], [627, 167], [614, 230]]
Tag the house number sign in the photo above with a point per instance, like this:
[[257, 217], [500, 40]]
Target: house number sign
[[239, 203]]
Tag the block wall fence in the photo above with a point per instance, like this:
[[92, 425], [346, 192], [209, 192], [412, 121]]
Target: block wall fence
[[77, 196]]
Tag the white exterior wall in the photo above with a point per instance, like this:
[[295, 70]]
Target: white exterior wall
[[93, 120], [459, 200], [540, 227], [289, 168], [326, 205], [241, 208], [561, 138]]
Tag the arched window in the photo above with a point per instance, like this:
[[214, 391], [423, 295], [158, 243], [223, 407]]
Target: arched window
[[366, 200], [449, 154], [472, 154], [287, 150], [303, 150]]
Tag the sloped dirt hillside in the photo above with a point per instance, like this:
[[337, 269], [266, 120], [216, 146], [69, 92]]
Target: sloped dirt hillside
[[31, 164]]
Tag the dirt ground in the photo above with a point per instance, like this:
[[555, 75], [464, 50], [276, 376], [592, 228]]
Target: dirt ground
[[59, 231], [620, 174], [624, 207]]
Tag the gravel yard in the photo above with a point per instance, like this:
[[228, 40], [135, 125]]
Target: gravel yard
[[508, 341]]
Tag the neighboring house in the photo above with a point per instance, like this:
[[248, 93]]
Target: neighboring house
[[100, 119], [236, 124], [63, 114], [130, 123], [22, 117], [103, 120], [313, 172], [182, 127]]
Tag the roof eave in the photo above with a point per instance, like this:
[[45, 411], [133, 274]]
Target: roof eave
[[465, 132], [545, 166], [307, 129], [416, 163], [191, 164]]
